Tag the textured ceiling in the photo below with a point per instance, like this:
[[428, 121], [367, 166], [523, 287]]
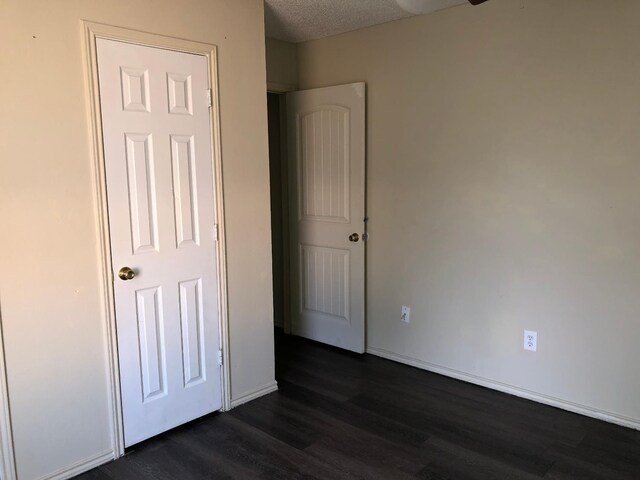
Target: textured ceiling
[[302, 20]]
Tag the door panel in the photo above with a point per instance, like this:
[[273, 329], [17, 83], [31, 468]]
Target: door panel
[[142, 193], [324, 180], [185, 196], [151, 342], [326, 129], [161, 205], [192, 326], [325, 281]]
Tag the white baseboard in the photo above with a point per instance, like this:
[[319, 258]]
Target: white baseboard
[[81, 466], [253, 394], [97, 460], [503, 387]]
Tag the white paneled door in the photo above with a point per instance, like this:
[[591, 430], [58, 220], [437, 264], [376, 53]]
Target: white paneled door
[[162, 221], [326, 144]]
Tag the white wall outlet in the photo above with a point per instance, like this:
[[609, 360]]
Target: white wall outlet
[[405, 314], [530, 340]]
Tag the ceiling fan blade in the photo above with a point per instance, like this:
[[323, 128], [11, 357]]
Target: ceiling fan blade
[[476, 2]]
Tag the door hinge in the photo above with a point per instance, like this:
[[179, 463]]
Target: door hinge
[[215, 232], [220, 357], [209, 98]]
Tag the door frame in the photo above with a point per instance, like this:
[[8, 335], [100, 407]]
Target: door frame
[[7, 458], [281, 90], [91, 31]]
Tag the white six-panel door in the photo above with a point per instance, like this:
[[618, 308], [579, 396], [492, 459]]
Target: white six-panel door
[[326, 145], [161, 205]]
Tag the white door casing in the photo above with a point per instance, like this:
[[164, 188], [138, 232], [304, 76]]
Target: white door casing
[[7, 461], [162, 222], [326, 148]]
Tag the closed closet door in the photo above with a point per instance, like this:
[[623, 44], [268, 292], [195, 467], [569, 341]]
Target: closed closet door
[[161, 205]]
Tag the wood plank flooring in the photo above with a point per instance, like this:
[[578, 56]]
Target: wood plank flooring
[[339, 415]]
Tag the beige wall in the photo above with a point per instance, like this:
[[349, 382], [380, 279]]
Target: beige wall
[[504, 191], [50, 290], [281, 63]]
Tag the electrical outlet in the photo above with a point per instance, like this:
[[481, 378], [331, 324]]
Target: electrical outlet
[[405, 314], [530, 340]]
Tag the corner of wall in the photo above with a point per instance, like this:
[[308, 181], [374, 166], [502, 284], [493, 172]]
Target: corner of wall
[[282, 65]]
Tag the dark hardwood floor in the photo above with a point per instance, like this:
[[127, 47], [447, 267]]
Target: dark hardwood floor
[[339, 415]]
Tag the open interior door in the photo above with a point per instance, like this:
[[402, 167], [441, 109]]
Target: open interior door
[[326, 148]]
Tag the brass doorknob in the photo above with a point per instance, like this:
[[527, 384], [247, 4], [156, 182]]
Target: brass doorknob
[[125, 273], [354, 237]]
